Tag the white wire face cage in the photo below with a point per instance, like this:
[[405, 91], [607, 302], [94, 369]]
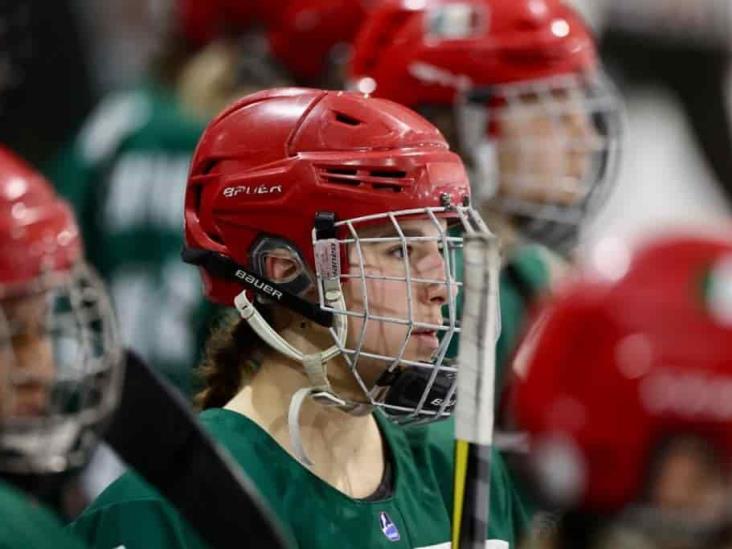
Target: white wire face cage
[[61, 371], [401, 291], [544, 152]]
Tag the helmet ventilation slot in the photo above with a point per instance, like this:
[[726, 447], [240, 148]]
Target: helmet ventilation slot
[[347, 120], [393, 181]]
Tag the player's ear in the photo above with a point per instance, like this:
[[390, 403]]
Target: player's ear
[[281, 267]]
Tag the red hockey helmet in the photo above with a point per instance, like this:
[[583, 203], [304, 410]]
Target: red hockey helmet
[[203, 20], [269, 163], [620, 366], [37, 230], [60, 365], [488, 42], [516, 84], [306, 32]]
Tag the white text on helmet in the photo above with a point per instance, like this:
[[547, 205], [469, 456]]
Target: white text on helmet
[[258, 284], [247, 189], [689, 395]]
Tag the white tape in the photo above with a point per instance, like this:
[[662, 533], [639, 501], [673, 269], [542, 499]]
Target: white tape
[[474, 412], [489, 544], [328, 258]]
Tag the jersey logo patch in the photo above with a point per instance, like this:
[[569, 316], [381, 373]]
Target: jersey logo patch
[[388, 527]]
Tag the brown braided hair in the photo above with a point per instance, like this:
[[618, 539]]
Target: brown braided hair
[[227, 360]]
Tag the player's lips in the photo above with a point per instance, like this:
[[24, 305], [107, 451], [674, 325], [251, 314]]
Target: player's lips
[[30, 404], [31, 396], [427, 338]]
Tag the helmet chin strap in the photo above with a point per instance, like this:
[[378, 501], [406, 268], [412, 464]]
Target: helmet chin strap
[[314, 364]]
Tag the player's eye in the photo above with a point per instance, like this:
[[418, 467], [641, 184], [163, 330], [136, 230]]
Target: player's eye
[[398, 251]]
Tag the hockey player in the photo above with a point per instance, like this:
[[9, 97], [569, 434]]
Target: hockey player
[[323, 218], [60, 360], [517, 89], [626, 400], [308, 42]]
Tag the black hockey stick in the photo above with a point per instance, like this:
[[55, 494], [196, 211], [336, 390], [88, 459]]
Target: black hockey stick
[[154, 432]]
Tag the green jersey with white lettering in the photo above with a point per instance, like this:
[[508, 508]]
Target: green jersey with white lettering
[[414, 513], [25, 524], [125, 175]]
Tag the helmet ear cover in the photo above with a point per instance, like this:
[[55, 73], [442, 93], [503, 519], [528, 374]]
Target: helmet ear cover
[[226, 268], [289, 293], [302, 279]]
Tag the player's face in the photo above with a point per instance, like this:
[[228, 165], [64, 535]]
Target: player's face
[[686, 505], [26, 356], [384, 292], [545, 148], [689, 480]]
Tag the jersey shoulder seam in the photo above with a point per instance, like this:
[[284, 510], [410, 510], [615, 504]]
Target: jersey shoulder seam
[[108, 506]]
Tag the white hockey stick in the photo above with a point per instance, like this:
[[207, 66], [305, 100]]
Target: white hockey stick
[[474, 412]]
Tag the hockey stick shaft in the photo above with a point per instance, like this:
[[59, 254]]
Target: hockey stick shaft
[[155, 433], [474, 413]]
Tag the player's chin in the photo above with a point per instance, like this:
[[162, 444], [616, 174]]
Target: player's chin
[[30, 402], [421, 352]]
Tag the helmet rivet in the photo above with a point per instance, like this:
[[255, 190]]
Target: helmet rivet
[[445, 200]]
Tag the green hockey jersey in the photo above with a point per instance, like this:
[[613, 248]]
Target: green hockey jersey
[[25, 524], [524, 278], [416, 514]]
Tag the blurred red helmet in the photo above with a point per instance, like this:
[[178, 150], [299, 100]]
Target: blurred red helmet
[[201, 21], [487, 41], [620, 366], [305, 33], [269, 163], [516, 85], [38, 233]]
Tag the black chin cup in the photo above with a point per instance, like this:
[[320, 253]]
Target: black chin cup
[[405, 388], [559, 237]]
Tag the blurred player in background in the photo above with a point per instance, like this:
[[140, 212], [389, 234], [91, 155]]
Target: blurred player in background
[[308, 42], [323, 218], [627, 400], [125, 176], [313, 39], [670, 59], [517, 89], [60, 359]]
